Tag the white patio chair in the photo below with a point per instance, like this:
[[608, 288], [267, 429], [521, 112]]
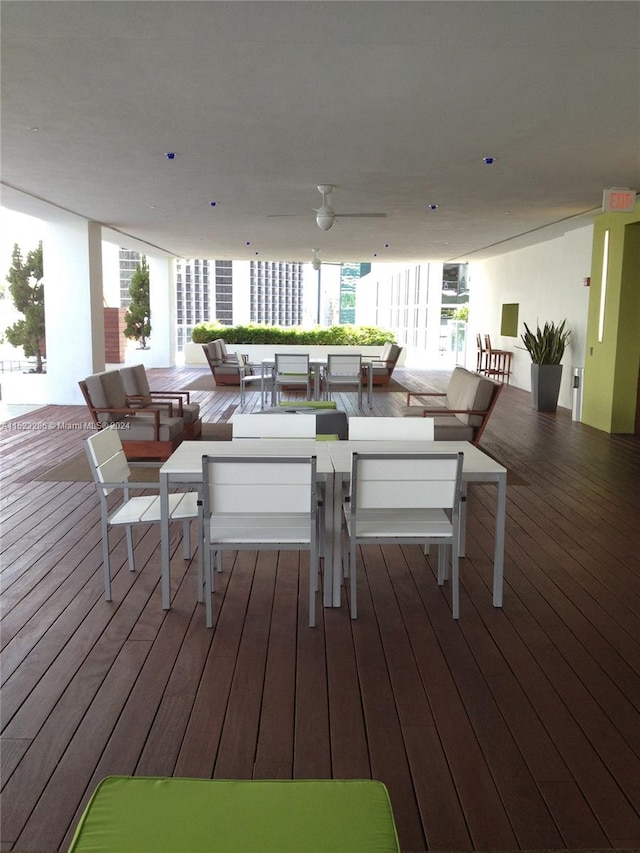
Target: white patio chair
[[259, 503], [343, 371], [391, 429], [253, 374], [277, 425], [292, 370], [111, 472], [404, 498]]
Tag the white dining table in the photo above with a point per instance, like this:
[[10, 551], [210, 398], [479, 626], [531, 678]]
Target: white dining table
[[477, 467], [184, 466]]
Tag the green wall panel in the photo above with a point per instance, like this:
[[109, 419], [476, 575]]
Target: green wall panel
[[611, 364]]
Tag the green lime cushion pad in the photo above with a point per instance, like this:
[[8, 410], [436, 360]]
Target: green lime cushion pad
[[167, 815], [308, 404]]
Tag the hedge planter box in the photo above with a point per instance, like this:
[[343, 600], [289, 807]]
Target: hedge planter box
[[193, 354], [545, 386]]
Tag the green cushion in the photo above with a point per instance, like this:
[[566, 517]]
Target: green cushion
[[308, 404], [329, 437], [158, 815]]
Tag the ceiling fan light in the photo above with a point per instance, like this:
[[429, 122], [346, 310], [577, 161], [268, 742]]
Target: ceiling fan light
[[325, 219]]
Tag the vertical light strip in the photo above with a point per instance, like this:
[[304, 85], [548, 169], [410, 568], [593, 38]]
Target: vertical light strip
[[603, 286]]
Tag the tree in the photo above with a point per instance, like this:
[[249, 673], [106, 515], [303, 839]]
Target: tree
[[138, 327], [27, 291]]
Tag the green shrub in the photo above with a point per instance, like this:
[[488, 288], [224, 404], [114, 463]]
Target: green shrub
[[319, 335]]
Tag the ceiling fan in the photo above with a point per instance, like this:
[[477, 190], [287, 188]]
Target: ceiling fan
[[326, 215]]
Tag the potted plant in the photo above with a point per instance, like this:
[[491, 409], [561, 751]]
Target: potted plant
[[546, 348]]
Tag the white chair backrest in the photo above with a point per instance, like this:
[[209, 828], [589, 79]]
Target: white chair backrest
[[106, 457], [285, 425], [259, 484], [292, 364], [344, 364], [243, 363], [391, 429], [408, 481]]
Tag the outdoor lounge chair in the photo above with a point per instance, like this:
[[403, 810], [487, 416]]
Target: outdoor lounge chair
[[171, 403], [224, 368], [145, 433], [468, 403], [383, 366]]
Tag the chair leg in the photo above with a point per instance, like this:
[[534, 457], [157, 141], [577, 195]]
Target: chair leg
[[208, 589], [106, 566], [186, 540], [455, 583], [129, 537], [443, 556], [352, 580], [313, 584]]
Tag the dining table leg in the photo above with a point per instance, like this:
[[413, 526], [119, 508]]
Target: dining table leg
[[337, 540], [329, 532], [165, 563], [498, 557]]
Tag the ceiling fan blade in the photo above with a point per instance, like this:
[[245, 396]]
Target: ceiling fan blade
[[363, 215]]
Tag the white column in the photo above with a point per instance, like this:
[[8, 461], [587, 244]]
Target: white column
[[72, 260]]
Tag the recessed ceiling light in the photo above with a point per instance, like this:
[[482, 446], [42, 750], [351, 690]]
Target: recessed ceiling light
[[433, 207], [34, 129]]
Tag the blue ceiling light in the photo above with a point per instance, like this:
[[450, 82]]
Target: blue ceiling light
[[170, 155], [212, 203], [433, 207], [488, 161]]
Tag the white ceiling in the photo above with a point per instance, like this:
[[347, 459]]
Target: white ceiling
[[396, 103]]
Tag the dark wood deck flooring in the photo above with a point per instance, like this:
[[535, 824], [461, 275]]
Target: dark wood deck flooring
[[516, 728]]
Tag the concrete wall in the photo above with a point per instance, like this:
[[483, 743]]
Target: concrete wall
[[546, 281]]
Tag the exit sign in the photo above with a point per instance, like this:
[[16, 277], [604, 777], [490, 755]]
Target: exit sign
[[618, 200]]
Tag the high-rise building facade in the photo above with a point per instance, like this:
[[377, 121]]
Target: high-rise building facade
[[128, 262], [236, 292], [276, 293]]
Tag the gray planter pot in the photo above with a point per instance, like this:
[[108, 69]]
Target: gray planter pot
[[545, 386]]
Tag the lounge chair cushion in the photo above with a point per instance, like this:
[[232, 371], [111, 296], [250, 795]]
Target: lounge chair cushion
[[106, 392], [468, 390], [160, 815], [136, 384]]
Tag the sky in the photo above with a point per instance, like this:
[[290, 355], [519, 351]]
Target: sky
[[17, 228]]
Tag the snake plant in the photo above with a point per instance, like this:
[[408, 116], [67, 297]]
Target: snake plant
[[547, 345]]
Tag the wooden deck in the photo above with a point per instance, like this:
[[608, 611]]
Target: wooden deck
[[511, 729]]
